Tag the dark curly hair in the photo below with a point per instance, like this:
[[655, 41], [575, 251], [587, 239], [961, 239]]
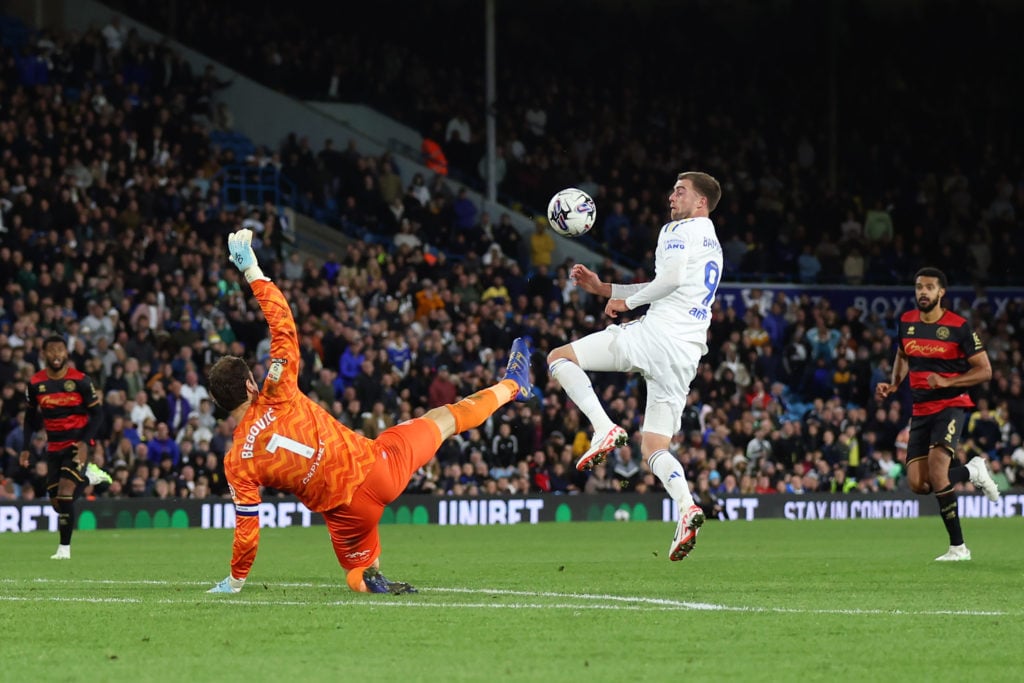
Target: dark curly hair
[[932, 272], [227, 380]]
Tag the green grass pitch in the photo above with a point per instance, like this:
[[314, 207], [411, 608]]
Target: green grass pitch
[[770, 600]]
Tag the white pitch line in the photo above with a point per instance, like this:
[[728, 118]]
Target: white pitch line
[[617, 602], [40, 598], [243, 602]]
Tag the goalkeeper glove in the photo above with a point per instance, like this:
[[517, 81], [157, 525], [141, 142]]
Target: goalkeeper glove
[[228, 585], [242, 255]]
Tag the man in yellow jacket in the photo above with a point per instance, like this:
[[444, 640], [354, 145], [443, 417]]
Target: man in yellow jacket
[[542, 244]]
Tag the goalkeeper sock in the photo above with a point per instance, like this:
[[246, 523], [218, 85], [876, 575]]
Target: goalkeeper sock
[[578, 388], [354, 579], [473, 410]]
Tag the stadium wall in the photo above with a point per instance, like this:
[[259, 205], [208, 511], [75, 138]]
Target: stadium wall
[[152, 513]]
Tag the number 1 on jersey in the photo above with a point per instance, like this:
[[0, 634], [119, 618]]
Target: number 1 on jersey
[[278, 441], [712, 276]]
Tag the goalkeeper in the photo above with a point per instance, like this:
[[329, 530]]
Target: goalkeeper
[[284, 440]]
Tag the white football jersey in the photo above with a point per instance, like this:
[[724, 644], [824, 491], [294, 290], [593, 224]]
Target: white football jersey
[[687, 270]]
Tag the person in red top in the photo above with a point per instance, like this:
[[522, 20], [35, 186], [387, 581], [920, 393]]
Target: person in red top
[[64, 400], [286, 441], [433, 156], [942, 356]]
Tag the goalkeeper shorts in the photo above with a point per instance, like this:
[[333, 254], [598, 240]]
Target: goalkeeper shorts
[[403, 449]]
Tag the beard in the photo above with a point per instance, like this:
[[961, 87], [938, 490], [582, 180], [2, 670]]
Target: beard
[[927, 307]]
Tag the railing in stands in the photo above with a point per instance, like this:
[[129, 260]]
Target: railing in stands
[[253, 185]]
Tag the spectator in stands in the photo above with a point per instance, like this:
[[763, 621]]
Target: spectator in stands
[[433, 156], [95, 197], [192, 391], [162, 445], [442, 390], [626, 472], [542, 244], [599, 482], [878, 226], [178, 407], [854, 267]]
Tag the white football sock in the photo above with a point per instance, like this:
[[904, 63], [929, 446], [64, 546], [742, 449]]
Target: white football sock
[[577, 387], [667, 468]]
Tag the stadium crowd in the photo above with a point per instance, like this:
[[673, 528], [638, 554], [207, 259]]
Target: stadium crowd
[[113, 232], [864, 202]]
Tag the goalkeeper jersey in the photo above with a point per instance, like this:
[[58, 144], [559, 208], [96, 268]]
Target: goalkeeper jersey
[[286, 441]]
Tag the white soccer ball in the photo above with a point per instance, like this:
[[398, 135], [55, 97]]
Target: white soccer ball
[[621, 515], [571, 212]]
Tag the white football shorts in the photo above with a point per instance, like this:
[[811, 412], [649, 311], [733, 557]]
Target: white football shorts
[[667, 365]]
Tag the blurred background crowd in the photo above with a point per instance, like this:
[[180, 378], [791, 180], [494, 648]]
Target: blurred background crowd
[[114, 226]]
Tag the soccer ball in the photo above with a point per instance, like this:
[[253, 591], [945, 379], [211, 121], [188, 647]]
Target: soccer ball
[[621, 515], [571, 212]]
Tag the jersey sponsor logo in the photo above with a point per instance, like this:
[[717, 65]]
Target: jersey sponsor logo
[[699, 313], [919, 348], [675, 244], [711, 243], [59, 400], [942, 332], [977, 342], [315, 466], [255, 430]]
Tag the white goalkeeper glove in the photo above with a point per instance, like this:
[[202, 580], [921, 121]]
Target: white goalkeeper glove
[[242, 255], [228, 585]]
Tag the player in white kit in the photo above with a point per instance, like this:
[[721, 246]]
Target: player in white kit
[[665, 346]]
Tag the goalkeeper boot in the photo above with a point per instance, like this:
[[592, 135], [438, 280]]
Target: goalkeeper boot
[[518, 368], [689, 525], [95, 475], [378, 583], [600, 444]]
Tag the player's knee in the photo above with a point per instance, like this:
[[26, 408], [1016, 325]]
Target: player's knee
[[561, 353], [920, 487]]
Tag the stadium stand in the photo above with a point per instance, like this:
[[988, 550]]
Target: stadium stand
[[121, 177]]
